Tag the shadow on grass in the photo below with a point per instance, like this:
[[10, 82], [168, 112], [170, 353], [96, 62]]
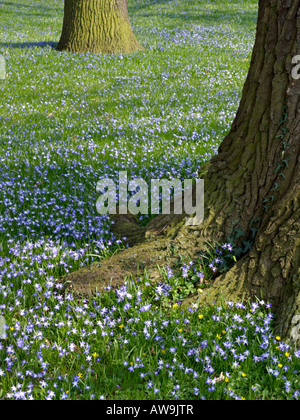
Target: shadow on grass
[[33, 9], [194, 13], [214, 17], [42, 44]]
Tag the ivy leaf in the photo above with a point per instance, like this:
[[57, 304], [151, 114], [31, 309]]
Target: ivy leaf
[[247, 246]]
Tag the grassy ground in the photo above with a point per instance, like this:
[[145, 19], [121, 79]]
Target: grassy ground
[[66, 121]]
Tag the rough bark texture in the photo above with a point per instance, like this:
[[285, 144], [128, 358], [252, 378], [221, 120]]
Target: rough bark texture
[[98, 26], [252, 188]]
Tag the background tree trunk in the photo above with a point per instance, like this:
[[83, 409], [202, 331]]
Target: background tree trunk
[[98, 26], [252, 188]]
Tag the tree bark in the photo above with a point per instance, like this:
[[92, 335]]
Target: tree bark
[[252, 188], [98, 26]]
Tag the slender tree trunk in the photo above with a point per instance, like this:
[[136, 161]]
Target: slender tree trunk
[[98, 26], [252, 188]]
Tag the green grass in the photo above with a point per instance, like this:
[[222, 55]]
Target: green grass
[[143, 107], [66, 120]]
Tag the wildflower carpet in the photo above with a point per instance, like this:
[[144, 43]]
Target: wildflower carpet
[[67, 120]]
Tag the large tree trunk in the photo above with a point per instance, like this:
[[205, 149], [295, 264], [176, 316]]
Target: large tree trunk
[[252, 187], [98, 26]]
